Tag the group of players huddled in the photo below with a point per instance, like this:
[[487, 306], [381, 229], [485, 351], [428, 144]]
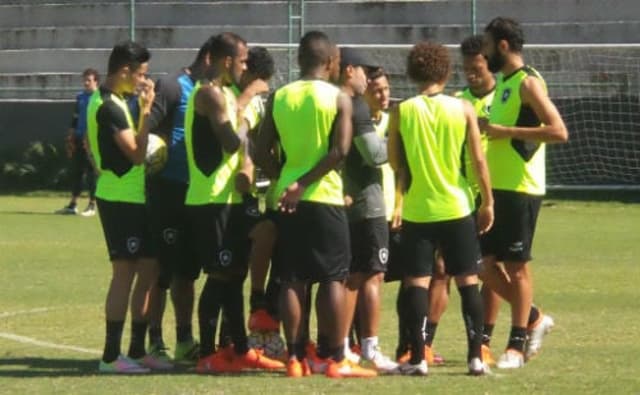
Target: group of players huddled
[[359, 193]]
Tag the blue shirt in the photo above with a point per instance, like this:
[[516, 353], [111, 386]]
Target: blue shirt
[[79, 122]]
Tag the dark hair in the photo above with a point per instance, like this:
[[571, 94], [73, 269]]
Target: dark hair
[[224, 44], [471, 46], [428, 62], [375, 73], [127, 53], [91, 72], [506, 29], [315, 50], [260, 63]]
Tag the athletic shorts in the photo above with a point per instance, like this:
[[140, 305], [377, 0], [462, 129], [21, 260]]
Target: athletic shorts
[[394, 263], [313, 244], [126, 229], [369, 245], [511, 237], [457, 240], [168, 219], [220, 235]]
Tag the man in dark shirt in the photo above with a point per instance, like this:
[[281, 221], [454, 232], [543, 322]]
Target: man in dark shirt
[[81, 165]]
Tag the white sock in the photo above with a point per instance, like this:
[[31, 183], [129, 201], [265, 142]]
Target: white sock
[[347, 349], [369, 346]]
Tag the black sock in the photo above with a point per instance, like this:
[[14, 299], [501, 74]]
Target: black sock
[[431, 332], [306, 318], [487, 332], [322, 349], [136, 345], [234, 311], [403, 338], [184, 333], [72, 205], [337, 354], [417, 310], [271, 295], [257, 300], [208, 310], [112, 341], [224, 339], [517, 338], [155, 335], [534, 314], [472, 314]]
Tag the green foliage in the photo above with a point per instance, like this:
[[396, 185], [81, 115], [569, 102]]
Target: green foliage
[[41, 165]]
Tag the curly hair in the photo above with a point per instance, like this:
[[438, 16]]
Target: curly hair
[[428, 62], [502, 28], [260, 63], [471, 46]]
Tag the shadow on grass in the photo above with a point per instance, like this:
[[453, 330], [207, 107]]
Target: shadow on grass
[[22, 212], [26, 367]]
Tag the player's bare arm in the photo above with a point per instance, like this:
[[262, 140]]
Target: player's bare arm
[[485, 211], [132, 144], [210, 102], [244, 178], [398, 162], [552, 130], [339, 150]]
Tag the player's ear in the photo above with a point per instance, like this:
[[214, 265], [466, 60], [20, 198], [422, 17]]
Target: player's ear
[[503, 46], [228, 60]]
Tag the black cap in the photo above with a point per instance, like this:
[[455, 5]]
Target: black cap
[[353, 57]]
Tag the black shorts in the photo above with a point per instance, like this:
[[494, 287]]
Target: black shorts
[[126, 229], [313, 244], [369, 245], [456, 239], [168, 219], [394, 263], [220, 235], [511, 237]]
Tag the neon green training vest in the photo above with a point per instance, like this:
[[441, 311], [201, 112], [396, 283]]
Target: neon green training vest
[[388, 177], [433, 131], [129, 187], [219, 186], [482, 107], [515, 165], [304, 112]]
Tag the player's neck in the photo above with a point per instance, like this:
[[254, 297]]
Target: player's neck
[[112, 84], [484, 89], [432, 89], [513, 63]]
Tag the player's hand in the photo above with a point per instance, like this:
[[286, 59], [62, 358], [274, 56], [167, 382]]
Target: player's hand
[[69, 145], [257, 87], [484, 218], [348, 200], [290, 198], [243, 182], [494, 131], [396, 219], [146, 95]]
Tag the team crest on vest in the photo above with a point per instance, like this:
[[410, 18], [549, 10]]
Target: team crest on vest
[[225, 257], [506, 94], [170, 235], [383, 255], [133, 244]]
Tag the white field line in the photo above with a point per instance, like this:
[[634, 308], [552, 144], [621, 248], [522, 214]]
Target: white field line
[[36, 342]]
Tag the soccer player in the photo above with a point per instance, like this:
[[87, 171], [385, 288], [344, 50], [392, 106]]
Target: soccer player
[[119, 151], [366, 212], [166, 194], [81, 165], [310, 119], [218, 222], [521, 121], [426, 136]]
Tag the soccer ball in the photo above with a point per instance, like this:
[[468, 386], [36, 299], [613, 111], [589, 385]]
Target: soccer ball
[[273, 345], [157, 154]]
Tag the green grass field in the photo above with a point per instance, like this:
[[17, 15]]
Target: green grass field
[[54, 275]]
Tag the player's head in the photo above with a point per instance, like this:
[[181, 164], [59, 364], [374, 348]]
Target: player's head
[[260, 65], [353, 70], [502, 36], [378, 90], [228, 55], [474, 64], [90, 79], [128, 65], [316, 54], [428, 63]]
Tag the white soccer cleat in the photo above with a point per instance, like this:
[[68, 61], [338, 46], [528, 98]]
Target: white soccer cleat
[[536, 335], [381, 363], [511, 359], [477, 367], [351, 356], [122, 365], [408, 369]]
